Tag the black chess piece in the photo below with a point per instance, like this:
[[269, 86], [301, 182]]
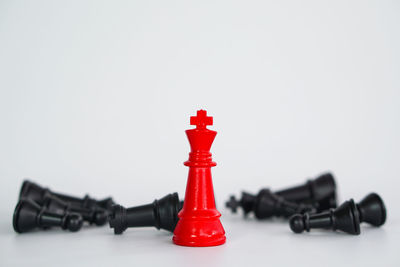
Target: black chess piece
[[162, 214], [347, 217], [247, 203], [56, 205], [37, 193], [267, 204], [320, 193], [29, 215]]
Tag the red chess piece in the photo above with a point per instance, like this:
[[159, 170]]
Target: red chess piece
[[199, 224]]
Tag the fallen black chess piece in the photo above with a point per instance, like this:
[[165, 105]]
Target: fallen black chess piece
[[38, 194], [56, 205], [347, 217], [162, 214], [267, 204], [29, 215], [319, 192]]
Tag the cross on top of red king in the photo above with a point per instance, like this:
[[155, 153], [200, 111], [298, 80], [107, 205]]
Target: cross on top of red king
[[201, 120]]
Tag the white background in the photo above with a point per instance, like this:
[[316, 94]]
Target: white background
[[95, 97]]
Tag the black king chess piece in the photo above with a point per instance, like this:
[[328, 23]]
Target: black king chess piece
[[347, 217], [29, 215], [38, 193], [267, 204], [162, 214], [319, 192]]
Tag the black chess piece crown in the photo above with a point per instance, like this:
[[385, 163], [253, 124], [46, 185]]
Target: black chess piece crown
[[347, 217], [162, 214]]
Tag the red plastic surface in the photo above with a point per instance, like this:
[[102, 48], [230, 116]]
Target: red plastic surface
[[199, 224]]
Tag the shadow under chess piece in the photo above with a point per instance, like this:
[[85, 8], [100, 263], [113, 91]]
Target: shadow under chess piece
[[28, 215], [56, 205], [347, 217], [267, 204], [162, 214], [37, 193]]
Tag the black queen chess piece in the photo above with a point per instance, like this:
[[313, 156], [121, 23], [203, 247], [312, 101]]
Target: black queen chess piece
[[28, 215], [347, 217], [161, 214]]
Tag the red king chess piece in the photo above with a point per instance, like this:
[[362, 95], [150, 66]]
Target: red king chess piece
[[199, 224]]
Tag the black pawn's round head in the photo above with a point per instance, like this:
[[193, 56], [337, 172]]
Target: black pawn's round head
[[74, 222], [296, 223], [25, 214], [372, 210]]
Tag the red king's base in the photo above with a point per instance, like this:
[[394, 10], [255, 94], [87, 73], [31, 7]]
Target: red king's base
[[199, 224], [200, 234]]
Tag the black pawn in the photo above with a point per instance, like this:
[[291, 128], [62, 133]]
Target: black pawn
[[267, 204], [320, 191], [37, 193], [162, 214], [28, 215], [56, 205], [347, 217]]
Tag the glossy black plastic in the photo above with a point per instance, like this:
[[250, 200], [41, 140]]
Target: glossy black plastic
[[347, 217], [38, 193], [267, 204], [56, 205], [162, 214], [29, 215], [320, 193], [246, 202]]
